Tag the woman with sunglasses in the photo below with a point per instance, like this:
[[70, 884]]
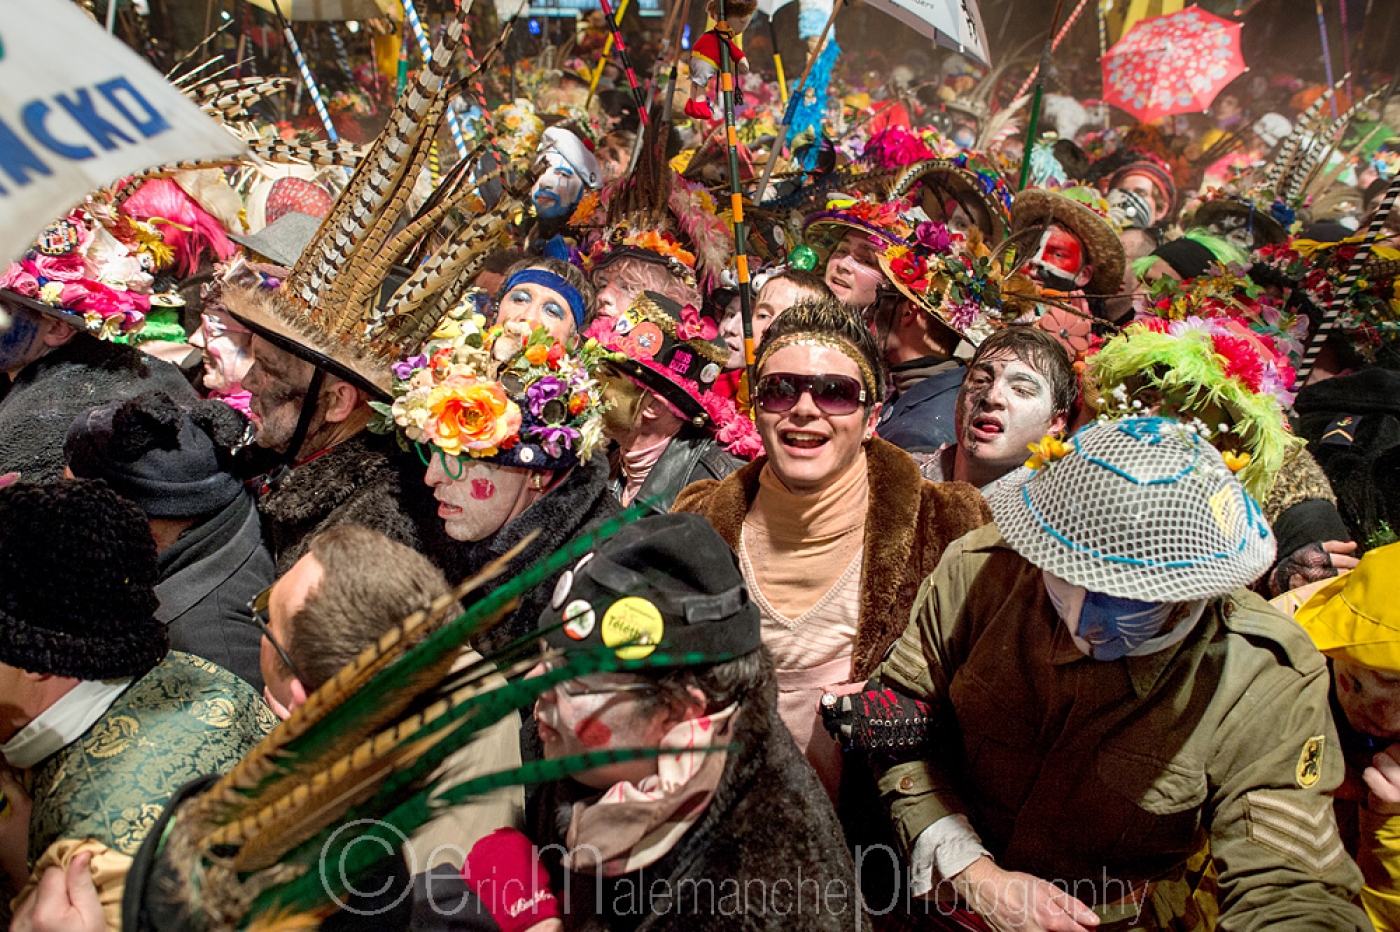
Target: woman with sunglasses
[[506, 425], [834, 528]]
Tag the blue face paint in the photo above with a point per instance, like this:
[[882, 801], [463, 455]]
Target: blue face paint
[[1114, 627], [17, 341], [1106, 627]]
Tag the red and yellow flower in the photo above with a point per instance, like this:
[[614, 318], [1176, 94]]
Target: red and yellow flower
[[471, 415]]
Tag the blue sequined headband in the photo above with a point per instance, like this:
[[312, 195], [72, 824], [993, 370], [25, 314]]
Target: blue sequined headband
[[547, 279]]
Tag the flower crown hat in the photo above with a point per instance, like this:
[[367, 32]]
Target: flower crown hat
[[673, 351], [1314, 272], [83, 275], [888, 221], [511, 396], [1198, 361], [959, 281]]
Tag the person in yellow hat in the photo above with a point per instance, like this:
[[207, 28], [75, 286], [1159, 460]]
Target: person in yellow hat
[[1355, 621]]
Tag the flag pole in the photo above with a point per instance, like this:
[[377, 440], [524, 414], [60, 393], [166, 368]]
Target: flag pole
[[736, 190], [1033, 126], [603, 58], [307, 78]]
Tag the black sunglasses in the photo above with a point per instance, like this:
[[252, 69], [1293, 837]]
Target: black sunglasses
[[834, 394], [258, 608]]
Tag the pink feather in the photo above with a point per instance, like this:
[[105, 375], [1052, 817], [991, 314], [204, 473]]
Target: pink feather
[[190, 230]]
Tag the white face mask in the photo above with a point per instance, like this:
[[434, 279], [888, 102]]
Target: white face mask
[[1106, 627]]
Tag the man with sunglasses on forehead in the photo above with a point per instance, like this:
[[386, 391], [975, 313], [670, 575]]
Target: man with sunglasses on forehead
[[352, 586]]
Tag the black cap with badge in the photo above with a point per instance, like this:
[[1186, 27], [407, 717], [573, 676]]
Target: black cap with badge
[[667, 583]]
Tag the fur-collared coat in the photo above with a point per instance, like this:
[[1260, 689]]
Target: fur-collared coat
[[767, 853], [909, 524], [358, 481]]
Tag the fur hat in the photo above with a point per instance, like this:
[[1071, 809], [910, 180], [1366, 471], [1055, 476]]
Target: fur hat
[[157, 454], [77, 582]]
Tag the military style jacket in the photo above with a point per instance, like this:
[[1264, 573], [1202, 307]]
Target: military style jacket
[[1106, 775]]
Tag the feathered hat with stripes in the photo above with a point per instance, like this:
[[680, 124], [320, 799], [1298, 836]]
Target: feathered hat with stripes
[[350, 307]]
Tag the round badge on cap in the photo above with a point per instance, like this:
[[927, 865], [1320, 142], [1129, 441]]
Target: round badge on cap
[[635, 622], [579, 619], [709, 373], [561, 589]]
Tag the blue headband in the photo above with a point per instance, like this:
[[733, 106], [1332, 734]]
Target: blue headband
[[547, 279]]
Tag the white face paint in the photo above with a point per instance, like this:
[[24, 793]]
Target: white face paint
[[558, 189], [476, 499]]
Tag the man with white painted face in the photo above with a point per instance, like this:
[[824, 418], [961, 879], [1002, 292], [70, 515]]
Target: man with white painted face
[[1092, 693], [1020, 387]]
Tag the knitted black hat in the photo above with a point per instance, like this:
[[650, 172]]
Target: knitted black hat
[[153, 452], [77, 582], [667, 584]]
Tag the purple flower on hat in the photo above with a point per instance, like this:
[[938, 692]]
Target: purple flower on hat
[[544, 391], [556, 440], [402, 370], [933, 237]]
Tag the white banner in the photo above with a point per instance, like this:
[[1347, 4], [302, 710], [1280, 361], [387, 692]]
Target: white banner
[[79, 110]]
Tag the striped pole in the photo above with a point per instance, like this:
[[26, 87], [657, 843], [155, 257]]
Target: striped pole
[[736, 190], [1374, 232], [621, 46], [603, 59], [1054, 45], [1326, 51], [420, 35], [305, 69], [341, 55]]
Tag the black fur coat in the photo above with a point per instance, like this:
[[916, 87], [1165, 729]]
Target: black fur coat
[[37, 408], [358, 481], [767, 853]]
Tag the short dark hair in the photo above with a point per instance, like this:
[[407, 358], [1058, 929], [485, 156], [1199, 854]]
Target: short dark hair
[[567, 271], [369, 583], [501, 260], [829, 318], [722, 684], [1043, 353]]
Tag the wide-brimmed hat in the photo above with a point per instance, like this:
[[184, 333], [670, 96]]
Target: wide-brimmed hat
[[1140, 508], [958, 281], [968, 182], [886, 220], [1266, 230], [81, 274], [1070, 206], [666, 585], [1356, 616], [675, 352]]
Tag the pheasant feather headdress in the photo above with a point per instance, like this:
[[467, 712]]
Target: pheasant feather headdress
[[340, 309]]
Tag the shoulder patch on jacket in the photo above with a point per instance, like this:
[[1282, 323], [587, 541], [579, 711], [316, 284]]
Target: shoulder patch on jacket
[[1309, 768], [1244, 612], [1295, 826]]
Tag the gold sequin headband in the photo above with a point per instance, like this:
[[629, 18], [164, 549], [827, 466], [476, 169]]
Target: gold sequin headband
[[820, 339]]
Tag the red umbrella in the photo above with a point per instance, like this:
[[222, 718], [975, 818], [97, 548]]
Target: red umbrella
[[1172, 64]]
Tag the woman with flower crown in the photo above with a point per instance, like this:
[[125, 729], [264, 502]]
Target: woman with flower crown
[[507, 422]]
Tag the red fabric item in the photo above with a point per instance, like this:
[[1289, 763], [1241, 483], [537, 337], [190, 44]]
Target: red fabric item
[[706, 48], [505, 873]]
